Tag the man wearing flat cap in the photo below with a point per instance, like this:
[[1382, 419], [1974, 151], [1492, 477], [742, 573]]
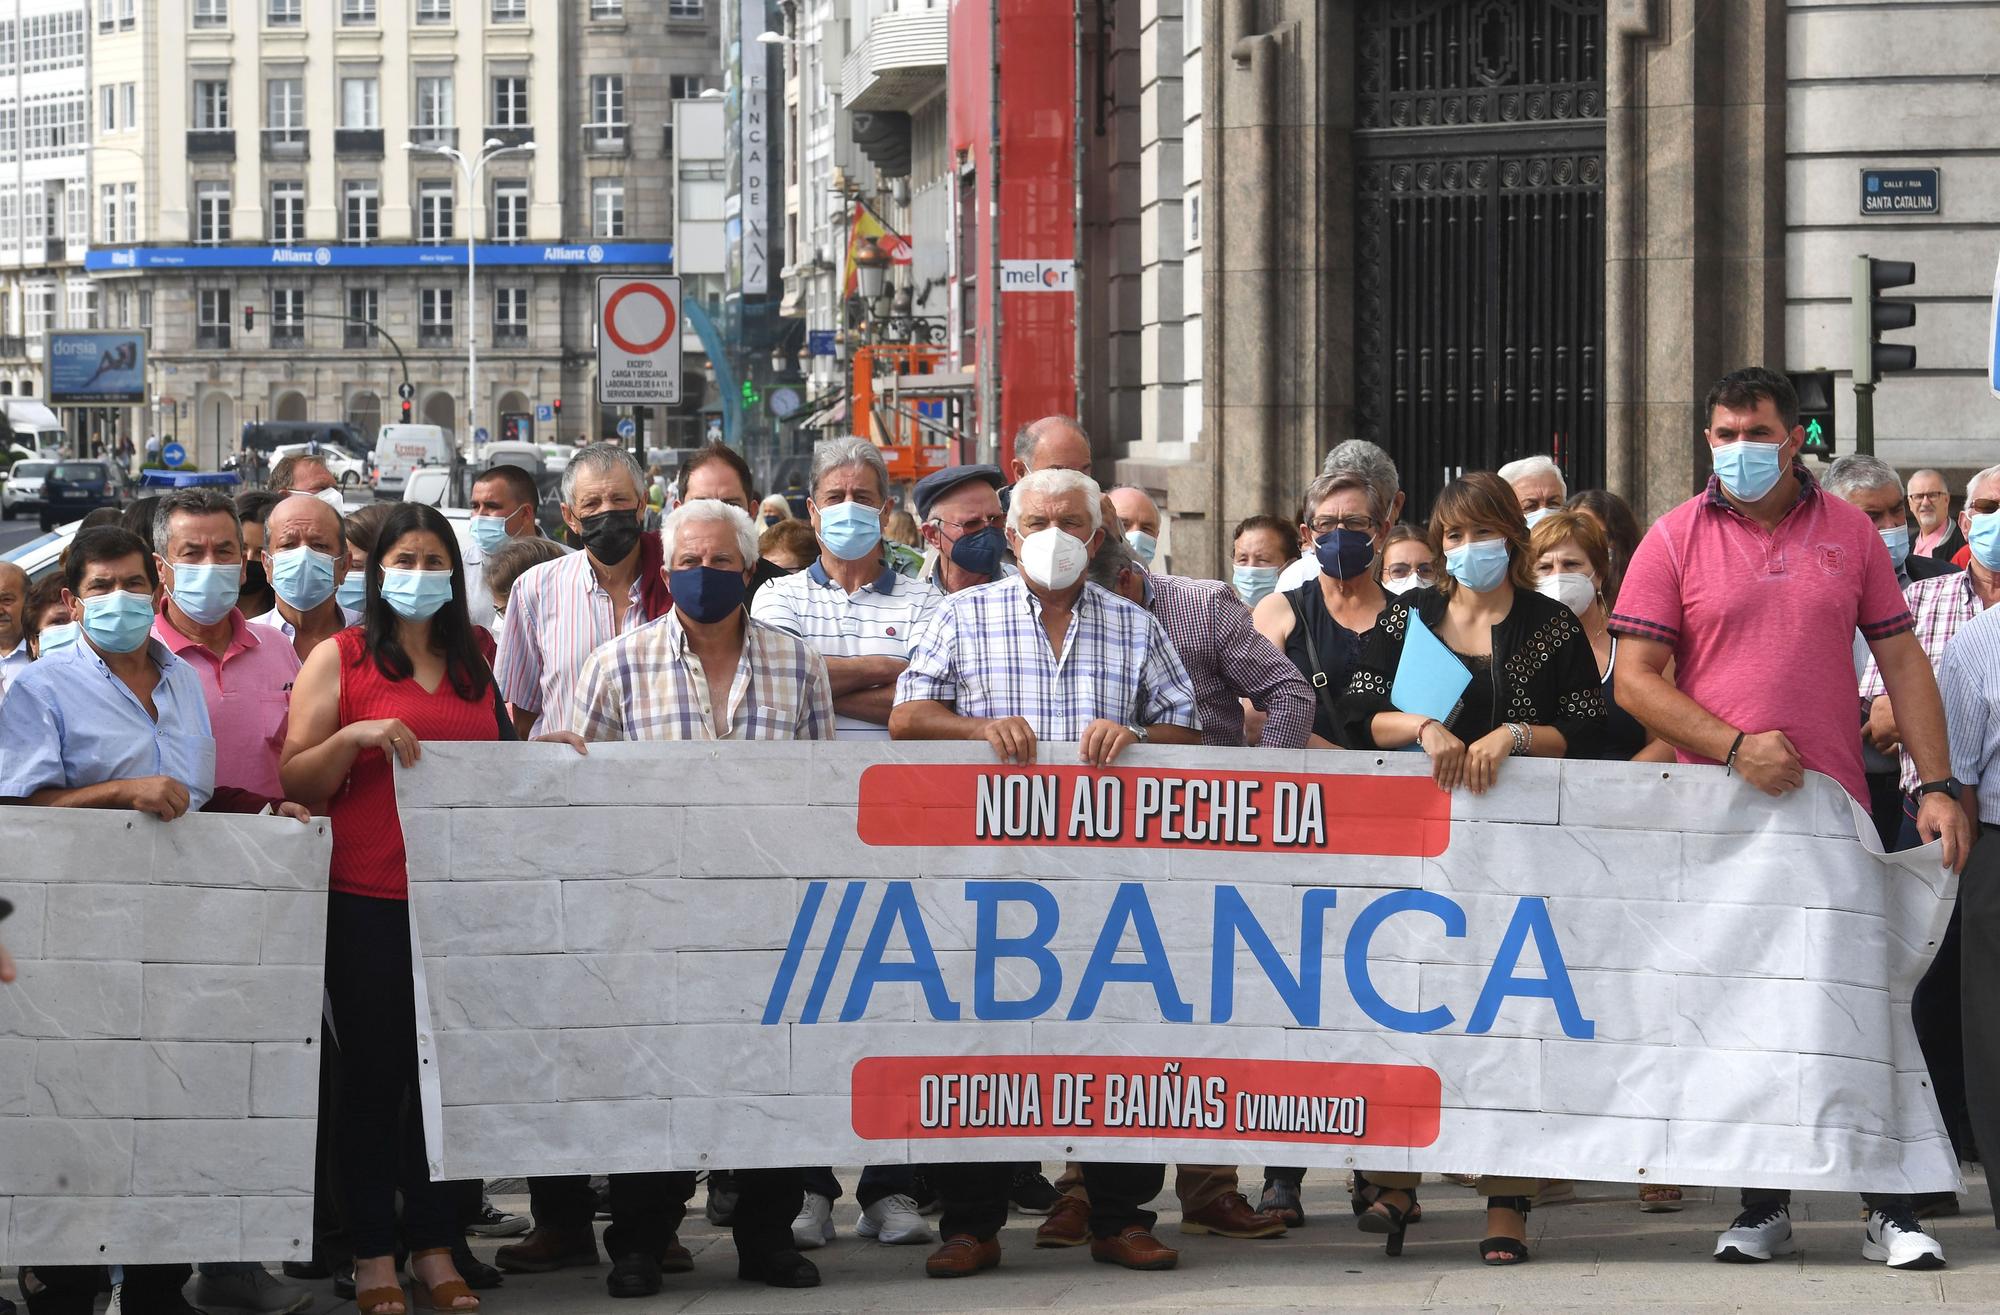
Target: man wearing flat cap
[[963, 526]]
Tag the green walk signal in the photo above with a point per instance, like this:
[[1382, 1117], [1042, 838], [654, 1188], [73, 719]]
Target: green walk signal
[[1814, 389]]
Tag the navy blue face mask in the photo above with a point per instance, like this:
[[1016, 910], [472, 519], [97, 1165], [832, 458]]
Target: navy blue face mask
[[706, 593], [1345, 554], [979, 553]]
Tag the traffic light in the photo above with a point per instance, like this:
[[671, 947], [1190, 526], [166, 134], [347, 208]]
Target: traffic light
[[1873, 315], [750, 394], [558, 407], [249, 319], [1815, 393], [406, 412]]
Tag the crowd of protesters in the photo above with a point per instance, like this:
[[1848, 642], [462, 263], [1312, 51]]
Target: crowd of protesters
[[277, 651]]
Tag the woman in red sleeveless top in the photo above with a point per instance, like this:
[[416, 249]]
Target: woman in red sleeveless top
[[411, 671]]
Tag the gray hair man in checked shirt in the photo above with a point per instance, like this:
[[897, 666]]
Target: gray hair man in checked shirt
[[1046, 655]]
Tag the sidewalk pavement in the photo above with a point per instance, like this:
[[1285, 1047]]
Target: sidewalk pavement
[[1597, 1255]]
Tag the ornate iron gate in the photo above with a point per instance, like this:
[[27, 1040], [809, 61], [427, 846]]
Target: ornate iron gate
[[1479, 235]]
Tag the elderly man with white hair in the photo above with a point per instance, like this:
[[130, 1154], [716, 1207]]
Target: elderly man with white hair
[[1047, 655], [1538, 486]]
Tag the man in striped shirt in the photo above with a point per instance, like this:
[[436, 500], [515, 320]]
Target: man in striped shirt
[[1046, 655]]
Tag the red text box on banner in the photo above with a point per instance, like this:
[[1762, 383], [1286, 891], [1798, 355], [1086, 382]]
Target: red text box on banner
[[1154, 808], [1089, 1096]]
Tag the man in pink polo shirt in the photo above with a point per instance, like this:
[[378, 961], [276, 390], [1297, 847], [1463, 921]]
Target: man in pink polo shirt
[[246, 669], [1754, 589]]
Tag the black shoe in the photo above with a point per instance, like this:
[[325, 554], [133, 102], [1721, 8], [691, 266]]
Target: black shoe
[[478, 1275], [1031, 1193], [634, 1275], [722, 1195], [779, 1269], [303, 1271], [50, 1302], [343, 1283]]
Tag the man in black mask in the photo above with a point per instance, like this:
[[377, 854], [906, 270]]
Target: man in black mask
[[561, 610], [959, 510]]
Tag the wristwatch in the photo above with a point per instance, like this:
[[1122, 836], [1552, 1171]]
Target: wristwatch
[[1948, 787], [1140, 731]]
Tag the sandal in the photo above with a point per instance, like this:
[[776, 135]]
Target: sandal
[[1509, 1250], [1659, 1199], [1362, 1194], [445, 1296], [381, 1301], [1380, 1217]]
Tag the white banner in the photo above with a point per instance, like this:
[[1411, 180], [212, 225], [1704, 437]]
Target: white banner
[[159, 1053], [884, 953]]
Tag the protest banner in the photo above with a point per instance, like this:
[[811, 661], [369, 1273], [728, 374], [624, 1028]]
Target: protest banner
[[159, 1052], [884, 953]]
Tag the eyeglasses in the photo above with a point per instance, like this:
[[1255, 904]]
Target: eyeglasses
[[1984, 507], [1404, 570], [1357, 524], [1927, 497], [973, 526]]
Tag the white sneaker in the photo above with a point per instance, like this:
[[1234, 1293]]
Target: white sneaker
[[894, 1220], [1897, 1238], [814, 1226], [1760, 1232]]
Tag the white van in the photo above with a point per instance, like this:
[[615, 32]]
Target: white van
[[31, 425], [400, 449]]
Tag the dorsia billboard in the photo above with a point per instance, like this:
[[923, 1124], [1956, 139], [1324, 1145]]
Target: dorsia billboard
[[96, 369]]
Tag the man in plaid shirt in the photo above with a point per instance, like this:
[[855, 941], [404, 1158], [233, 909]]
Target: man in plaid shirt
[[1046, 655], [704, 671]]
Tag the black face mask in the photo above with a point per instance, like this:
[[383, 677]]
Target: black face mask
[[253, 578], [611, 535]]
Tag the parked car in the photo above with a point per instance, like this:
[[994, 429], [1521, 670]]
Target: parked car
[[347, 466], [72, 489], [23, 486]]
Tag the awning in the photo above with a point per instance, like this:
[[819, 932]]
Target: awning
[[831, 414]]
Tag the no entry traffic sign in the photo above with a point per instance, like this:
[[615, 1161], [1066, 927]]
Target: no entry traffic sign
[[638, 341]]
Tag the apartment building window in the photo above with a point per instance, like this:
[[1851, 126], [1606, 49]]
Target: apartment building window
[[37, 308], [211, 213], [128, 199], [606, 129], [364, 308], [510, 102], [128, 15], [288, 212], [685, 9], [434, 112], [76, 213], [211, 320], [34, 218], [607, 9], [510, 315], [107, 16], [285, 112], [361, 210], [360, 103], [107, 108], [108, 213], [145, 310], [357, 11], [10, 218], [211, 13], [82, 311], [510, 11], [288, 317], [52, 124], [433, 11], [607, 207], [283, 13], [434, 211], [510, 210], [434, 317], [686, 86], [128, 97], [211, 105], [53, 41], [121, 309]]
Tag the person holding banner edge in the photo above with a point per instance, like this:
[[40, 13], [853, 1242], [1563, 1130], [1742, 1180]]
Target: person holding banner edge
[[1764, 562]]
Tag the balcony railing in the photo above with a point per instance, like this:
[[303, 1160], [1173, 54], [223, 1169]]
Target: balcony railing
[[434, 335], [358, 142], [605, 138], [431, 134], [509, 335], [512, 136], [212, 337], [216, 144], [284, 143], [13, 346]]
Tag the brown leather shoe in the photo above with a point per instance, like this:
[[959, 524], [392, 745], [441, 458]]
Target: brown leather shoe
[[962, 1256], [546, 1250], [1068, 1225], [1134, 1247], [1229, 1215]]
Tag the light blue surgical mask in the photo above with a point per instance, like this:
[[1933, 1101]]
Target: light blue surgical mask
[[53, 639], [1538, 515], [1897, 537], [1255, 583], [415, 595], [850, 530], [118, 622], [206, 591], [1480, 565], [1748, 470], [1143, 545], [1985, 540], [302, 577], [489, 532], [353, 591]]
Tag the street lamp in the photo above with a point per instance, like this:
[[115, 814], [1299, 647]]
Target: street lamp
[[491, 149], [871, 265]]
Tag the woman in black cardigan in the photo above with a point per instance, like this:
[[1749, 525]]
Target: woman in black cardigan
[[1534, 690]]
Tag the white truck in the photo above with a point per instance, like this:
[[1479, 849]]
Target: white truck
[[400, 449], [31, 427]]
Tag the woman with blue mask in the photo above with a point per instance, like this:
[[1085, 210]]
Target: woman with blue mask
[[1526, 683], [413, 670]]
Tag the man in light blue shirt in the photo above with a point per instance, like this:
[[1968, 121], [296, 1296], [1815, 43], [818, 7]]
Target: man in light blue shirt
[[116, 721]]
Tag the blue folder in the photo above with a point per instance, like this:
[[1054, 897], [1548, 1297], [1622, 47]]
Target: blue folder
[[1430, 678]]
